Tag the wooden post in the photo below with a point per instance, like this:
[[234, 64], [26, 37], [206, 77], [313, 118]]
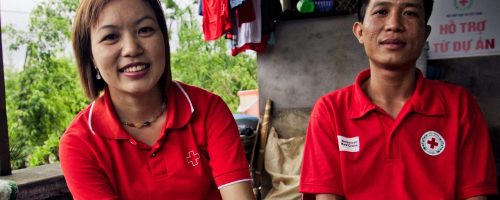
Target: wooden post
[[4, 138], [262, 131]]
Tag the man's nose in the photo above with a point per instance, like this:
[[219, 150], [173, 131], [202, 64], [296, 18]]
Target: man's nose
[[394, 23]]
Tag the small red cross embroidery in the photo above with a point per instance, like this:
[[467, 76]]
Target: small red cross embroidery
[[432, 143], [192, 158], [464, 2]]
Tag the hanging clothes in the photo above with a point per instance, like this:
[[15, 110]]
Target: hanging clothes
[[216, 18], [243, 13], [259, 47], [236, 3], [249, 33]]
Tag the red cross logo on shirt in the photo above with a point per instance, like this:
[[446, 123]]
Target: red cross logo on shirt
[[432, 142], [192, 158]]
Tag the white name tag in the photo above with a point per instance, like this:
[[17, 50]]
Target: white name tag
[[348, 144]]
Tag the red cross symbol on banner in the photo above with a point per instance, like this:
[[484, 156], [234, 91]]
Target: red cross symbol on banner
[[432, 142], [192, 158], [463, 2]]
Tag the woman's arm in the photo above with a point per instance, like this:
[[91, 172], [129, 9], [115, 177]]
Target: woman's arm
[[242, 190], [227, 156], [477, 198], [328, 197], [84, 178]]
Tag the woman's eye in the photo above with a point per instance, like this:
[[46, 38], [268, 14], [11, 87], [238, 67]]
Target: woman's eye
[[145, 30], [110, 37]]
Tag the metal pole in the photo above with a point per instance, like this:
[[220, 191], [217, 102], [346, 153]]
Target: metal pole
[[5, 168]]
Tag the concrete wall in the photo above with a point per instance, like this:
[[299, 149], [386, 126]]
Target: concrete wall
[[311, 57]]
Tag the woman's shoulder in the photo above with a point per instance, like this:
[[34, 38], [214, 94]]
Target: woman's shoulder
[[195, 92], [79, 125]]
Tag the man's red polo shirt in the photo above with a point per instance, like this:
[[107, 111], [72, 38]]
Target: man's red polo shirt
[[438, 147], [198, 151]]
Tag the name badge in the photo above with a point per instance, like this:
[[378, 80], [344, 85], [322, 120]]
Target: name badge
[[348, 144]]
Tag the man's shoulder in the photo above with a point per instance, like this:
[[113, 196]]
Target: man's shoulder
[[336, 100], [339, 95], [446, 89]]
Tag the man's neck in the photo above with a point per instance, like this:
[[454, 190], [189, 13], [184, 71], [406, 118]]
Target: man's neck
[[390, 89]]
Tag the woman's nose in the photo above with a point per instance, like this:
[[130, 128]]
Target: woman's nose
[[131, 46]]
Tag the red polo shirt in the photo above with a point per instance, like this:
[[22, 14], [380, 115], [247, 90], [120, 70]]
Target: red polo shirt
[[438, 147], [197, 152]]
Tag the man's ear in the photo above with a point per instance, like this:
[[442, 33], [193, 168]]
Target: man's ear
[[357, 29], [427, 31]]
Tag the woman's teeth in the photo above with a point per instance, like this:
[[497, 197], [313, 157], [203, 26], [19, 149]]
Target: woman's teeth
[[135, 68]]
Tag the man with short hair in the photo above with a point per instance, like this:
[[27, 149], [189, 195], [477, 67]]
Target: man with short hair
[[394, 134]]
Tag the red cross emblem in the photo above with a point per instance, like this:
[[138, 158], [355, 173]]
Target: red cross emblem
[[432, 142], [192, 158], [463, 2]]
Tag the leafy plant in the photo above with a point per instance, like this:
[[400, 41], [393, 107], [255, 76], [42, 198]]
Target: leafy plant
[[45, 96], [208, 65]]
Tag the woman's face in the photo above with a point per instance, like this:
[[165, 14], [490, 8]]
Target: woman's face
[[128, 47]]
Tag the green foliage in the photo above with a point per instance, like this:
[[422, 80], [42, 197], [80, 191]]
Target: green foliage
[[41, 101], [208, 65], [45, 96]]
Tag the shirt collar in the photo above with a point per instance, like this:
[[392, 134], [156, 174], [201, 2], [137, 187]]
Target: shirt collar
[[424, 100], [103, 121]]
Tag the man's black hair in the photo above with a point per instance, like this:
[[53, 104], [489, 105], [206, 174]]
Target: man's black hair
[[362, 4]]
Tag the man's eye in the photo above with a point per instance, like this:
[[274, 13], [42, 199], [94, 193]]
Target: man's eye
[[381, 12], [410, 13], [146, 30]]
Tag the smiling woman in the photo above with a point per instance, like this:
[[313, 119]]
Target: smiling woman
[[145, 135]]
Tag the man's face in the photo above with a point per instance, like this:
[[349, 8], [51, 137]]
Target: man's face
[[393, 32]]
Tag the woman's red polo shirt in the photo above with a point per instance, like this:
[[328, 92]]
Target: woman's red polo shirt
[[197, 152]]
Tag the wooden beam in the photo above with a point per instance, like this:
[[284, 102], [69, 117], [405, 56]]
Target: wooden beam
[[5, 168]]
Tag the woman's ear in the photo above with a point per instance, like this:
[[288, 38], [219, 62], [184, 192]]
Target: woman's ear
[[357, 29]]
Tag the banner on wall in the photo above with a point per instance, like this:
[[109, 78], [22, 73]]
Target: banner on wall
[[464, 28]]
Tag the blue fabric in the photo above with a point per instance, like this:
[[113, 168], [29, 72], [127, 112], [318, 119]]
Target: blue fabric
[[200, 12], [235, 3]]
